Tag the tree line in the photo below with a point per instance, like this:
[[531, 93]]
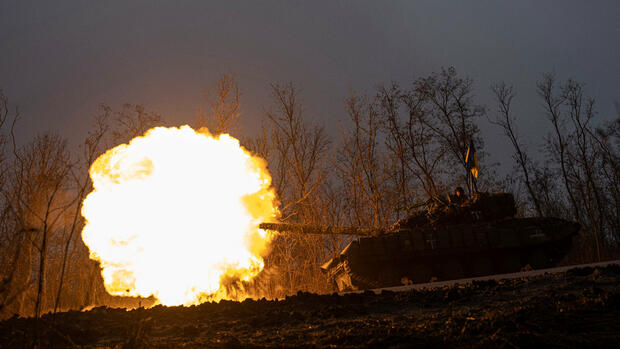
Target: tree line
[[400, 145]]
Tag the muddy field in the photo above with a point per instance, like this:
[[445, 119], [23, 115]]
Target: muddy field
[[574, 309]]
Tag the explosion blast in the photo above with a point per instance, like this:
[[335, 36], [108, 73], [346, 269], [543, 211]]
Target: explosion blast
[[174, 211]]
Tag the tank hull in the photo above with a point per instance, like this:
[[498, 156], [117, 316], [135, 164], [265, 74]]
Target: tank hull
[[446, 252]]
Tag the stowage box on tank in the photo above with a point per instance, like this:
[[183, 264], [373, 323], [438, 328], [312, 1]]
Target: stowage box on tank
[[479, 237]]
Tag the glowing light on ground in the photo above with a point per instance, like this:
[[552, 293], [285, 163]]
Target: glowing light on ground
[[174, 211]]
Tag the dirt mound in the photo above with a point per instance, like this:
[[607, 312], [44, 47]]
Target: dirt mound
[[576, 308]]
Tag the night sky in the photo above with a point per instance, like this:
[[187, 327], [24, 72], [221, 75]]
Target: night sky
[[60, 59]]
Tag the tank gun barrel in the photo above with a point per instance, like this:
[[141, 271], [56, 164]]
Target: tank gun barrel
[[319, 229]]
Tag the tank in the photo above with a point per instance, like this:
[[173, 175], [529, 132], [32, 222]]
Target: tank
[[447, 241]]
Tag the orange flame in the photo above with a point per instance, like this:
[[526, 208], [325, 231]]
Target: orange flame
[[174, 211]]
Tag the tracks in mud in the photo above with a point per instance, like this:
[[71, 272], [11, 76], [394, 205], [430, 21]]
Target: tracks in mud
[[575, 306], [522, 274]]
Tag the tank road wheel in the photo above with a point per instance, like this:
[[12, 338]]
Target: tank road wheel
[[508, 262], [538, 259], [451, 269], [557, 251], [387, 275], [420, 273], [481, 266]]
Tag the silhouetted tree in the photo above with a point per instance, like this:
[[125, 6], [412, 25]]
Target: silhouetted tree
[[131, 121], [222, 106], [504, 95], [362, 167], [448, 99]]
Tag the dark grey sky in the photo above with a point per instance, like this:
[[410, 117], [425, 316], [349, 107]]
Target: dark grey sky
[[60, 59]]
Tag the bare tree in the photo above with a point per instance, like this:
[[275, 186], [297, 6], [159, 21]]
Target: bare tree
[[607, 139], [449, 100], [504, 95], [131, 121], [422, 152], [581, 112], [300, 147], [390, 98], [362, 166], [296, 152], [15, 239], [34, 193], [92, 148], [586, 159], [552, 104], [42, 170], [222, 106]]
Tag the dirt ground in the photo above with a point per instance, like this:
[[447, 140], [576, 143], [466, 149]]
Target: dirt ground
[[574, 309]]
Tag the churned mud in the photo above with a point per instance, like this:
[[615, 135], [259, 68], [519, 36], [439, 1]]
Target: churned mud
[[574, 309]]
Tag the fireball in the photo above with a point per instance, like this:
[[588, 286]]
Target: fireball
[[174, 212]]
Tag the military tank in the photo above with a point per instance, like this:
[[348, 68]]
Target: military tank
[[477, 237]]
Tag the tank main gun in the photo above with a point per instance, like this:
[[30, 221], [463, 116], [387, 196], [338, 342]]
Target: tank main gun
[[320, 229], [483, 206]]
